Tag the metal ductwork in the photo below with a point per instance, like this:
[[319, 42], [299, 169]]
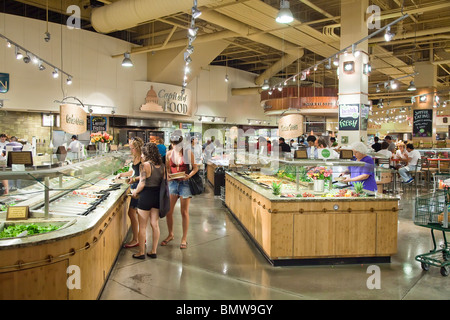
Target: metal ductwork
[[126, 14]]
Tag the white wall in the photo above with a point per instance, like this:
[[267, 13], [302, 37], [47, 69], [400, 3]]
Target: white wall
[[97, 77], [100, 79]]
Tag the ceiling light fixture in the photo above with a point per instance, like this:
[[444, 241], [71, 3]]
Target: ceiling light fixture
[[19, 54], [265, 86], [69, 80], [195, 12], [55, 73], [227, 78], [285, 14], [41, 66], [126, 62], [412, 86], [27, 58], [388, 36]]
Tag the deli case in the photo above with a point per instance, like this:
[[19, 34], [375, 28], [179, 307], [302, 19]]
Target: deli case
[[76, 216]]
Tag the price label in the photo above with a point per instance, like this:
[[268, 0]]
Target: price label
[[17, 213]]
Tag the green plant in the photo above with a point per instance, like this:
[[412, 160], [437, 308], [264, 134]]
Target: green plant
[[358, 187], [276, 188]]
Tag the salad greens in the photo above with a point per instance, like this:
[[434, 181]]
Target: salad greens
[[124, 169], [13, 231]]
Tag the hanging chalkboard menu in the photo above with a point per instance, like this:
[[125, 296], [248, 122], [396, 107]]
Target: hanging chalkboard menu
[[349, 117], [422, 123], [97, 123]]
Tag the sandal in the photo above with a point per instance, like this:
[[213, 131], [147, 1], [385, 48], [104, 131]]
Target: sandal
[[166, 242], [183, 246], [142, 256], [131, 245]]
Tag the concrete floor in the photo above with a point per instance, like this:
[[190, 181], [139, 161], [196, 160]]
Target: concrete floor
[[220, 263]]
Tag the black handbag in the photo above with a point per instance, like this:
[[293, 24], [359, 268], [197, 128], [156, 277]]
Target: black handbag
[[164, 196], [196, 184]]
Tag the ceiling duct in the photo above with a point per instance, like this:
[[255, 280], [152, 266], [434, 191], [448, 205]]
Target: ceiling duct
[[126, 14]]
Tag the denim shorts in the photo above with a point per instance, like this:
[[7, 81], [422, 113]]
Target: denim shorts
[[180, 188]]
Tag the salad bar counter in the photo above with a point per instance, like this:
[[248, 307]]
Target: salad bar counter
[[291, 224], [67, 245]]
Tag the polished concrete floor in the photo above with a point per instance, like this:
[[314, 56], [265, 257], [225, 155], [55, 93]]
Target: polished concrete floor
[[220, 263]]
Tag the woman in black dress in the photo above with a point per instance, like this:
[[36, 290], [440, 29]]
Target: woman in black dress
[[151, 175]]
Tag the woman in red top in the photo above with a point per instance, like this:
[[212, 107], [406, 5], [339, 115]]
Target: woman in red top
[[178, 162]]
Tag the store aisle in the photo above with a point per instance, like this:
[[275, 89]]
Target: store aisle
[[220, 263]]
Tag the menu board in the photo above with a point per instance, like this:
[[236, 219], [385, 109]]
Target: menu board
[[97, 123], [423, 123], [349, 117]]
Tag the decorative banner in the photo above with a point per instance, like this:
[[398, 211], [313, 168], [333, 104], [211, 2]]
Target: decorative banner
[[423, 123], [349, 117], [4, 82], [290, 126], [163, 98], [73, 118]]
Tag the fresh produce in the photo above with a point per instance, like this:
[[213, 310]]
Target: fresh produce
[[276, 188], [124, 169], [358, 186], [13, 231]]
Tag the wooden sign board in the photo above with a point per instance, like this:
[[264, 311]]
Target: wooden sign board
[[346, 154], [20, 157], [17, 213], [301, 154], [73, 119], [290, 126]]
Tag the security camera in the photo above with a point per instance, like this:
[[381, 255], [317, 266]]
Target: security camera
[[47, 36]]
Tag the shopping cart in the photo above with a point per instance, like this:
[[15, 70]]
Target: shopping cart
[[431, 211]]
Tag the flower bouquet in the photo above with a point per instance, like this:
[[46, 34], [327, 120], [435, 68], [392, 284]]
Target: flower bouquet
[[319, 173], [101, 137]]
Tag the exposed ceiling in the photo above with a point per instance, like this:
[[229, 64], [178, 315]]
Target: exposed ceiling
[[254, 42]]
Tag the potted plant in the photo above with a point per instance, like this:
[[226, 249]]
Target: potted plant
[[318, 175]]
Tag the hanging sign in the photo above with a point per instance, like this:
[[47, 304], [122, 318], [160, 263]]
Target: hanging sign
[[290, 126], [423, 123], [349, 117], [4, 82], [73, 118]]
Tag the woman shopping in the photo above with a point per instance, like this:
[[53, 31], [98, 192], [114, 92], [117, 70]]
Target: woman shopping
[[133, 174], [147, 191], [178, 161]]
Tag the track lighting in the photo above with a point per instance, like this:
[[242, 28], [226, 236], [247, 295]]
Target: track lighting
[[41, 66], [188, 60], [55, 73], [394, 85], [8, 44], [47, 36], [336, 61], [126, 62], [69, 80], [190, 49], [193, 30], [27, 58], [265, 86], [285, 14], [19, 54], [388, 36], [226, 78], [196, 13], [378, 88]]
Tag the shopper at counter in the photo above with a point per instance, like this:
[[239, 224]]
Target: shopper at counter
[[16, 146], [177, 161], [311, 150], [364, 174], [162, 149], [413, 158], [136, 145], [150, 178], [284, 147]]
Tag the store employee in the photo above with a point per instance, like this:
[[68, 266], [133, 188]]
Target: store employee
[[365, 174]]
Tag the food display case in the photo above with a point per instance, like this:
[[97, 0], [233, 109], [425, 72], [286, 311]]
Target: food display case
[[76, 216], [293, 221]]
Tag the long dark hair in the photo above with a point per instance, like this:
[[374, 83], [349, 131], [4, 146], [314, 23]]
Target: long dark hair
[[151, 153]]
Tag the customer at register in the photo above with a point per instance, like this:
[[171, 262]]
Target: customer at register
[[178, 160], [365, 174], [151, 174], [413, 158], [136, 145]]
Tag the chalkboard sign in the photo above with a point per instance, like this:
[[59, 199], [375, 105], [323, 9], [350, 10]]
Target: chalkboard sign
[[423, 123], [97, 123], [349, 117]]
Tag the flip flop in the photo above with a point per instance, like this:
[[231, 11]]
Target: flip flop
[[130, 245], [166, 242], [183, 246]]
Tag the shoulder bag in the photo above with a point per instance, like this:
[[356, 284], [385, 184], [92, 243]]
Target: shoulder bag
[[164, 195], [196, 184]]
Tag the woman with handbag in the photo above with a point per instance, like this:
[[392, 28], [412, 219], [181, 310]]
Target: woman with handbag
[[148, 192], [177, 165], [136, 144]]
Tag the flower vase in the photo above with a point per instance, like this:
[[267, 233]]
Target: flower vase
[[319, 185]]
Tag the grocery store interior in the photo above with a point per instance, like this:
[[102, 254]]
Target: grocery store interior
[[320, 131]]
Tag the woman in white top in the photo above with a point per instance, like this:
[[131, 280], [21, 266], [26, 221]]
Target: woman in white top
[[401, 155]]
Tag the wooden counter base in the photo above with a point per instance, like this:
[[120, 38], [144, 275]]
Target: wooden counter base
[[313, 230], [42, 271]]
